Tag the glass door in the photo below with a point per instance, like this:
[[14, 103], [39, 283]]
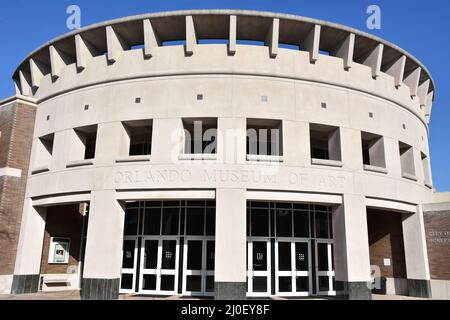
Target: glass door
[[159, 265], [324, 268], [258, 268], [198, 267], [129, 253], [292, 267]]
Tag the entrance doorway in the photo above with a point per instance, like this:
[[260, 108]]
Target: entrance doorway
[[289, 250], [169, 248]]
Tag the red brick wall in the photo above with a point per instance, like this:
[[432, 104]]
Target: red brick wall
[[62, 222], [386, 241], [437, 230], [16, 127]]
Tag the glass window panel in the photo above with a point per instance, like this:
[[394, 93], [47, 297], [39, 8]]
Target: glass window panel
[[258, 204], [285, 284], [284, 256], [131, 222], [194, 283], [168, 254], [167, 283], [210, 221], [171, 204], [194, 258], [322, 225], [301, 206], [149, 282], [195, 221], [210, 284], [128, 254], [302, 284], [170, 221], [259, 256], [301, 224], [151, 254], [195, 203], [321, 208], [284, 223], [210, 255], [152, 221], [283, 205], [259, 284], [301, 256], [127, 282], [330, 224], [324, 283], [260, 222], [322, 256], [153, 204]]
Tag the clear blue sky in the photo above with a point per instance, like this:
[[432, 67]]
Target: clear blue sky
[[420, 27]]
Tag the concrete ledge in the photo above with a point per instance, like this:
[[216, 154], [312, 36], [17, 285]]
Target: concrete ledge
[[419, 288], [80, 163], [375, 169], [325, 162], [100, 289], [409, 176], [198, 156], [41, 169], [264, 158], [24, 284], [145, 158], [230, 290]]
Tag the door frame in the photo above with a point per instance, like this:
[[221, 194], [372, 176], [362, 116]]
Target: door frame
[[293, 273], [330, 273], [158, 271], [203, 272], [128, 270], [251, 273]]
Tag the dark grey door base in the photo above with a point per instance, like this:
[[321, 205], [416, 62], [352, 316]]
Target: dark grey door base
[[100, 289], [419, 288], [23, 284], [354, 290], [230, 290]]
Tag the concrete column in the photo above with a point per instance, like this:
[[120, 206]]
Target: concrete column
[[29, 250], [103, 258], [191, 36], [374, 60], [412, 81], [25, 83], [397, 71], [345, 51], [58, 61], [231, 240], [84, 52], [168, 143], [296, 152], [151, 40], [351, 148], [312, 43], [416, 257], [422, 92], [232, 36], [113, 143], [116, 45], [351, 248], [231, 144], [272, 37]]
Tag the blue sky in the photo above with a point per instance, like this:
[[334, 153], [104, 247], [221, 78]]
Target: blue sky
[[420, 27]]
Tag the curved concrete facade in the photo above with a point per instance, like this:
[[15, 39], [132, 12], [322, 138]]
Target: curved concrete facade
[[375, 98]]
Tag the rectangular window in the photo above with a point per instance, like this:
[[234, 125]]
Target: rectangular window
[[325, 142], [59, 251], [200, 135], [426, 170], [407, 161], [264, 137], [44, 153], [373, 150], [140, 135], [86, 142]]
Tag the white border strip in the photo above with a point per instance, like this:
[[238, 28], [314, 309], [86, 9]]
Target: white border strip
[[62, 199], [294, 197], [10, 172], [389, 204], [165, 194]]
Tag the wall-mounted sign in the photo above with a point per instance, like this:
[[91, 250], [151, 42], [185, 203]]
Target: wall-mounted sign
[[59, 251]]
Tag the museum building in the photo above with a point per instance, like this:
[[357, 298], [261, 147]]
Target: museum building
[[222, 153]]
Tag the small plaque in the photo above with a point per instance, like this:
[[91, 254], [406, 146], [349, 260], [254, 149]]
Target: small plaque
[[387, 262]]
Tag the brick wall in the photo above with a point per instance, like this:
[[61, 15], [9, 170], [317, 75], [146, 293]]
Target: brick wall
[[386, 241], [16, 127], [62, 222], [437, 230]]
